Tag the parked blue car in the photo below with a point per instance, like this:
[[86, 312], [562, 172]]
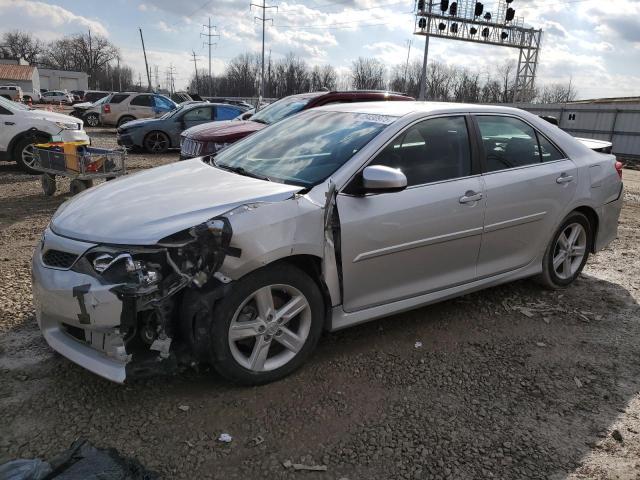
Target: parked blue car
[[157, 135]]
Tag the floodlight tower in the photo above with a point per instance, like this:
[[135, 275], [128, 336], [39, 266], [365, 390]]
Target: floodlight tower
[[469, 21]]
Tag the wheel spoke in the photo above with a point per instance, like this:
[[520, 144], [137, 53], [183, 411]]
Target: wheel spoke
[[566, 266], [562, 239], [289, 340], [557, 261], [264, 302], [292, 308], [259, 354], [573, 236], [577, 251], [241, 330]]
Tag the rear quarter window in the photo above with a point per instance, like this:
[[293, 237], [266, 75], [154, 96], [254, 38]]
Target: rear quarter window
[[118, 98]]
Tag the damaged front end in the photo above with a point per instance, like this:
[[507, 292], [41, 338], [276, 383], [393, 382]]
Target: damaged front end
[[152, 283]]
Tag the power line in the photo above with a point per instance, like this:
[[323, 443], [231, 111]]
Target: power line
[[209, 36], [337, 24], [263, 18]]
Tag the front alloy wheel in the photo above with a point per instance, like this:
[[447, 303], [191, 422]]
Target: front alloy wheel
[[156, 142], [267, 326]]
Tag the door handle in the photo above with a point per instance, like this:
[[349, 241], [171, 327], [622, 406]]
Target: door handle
[[9, 123], [470, 197], [564, 178]]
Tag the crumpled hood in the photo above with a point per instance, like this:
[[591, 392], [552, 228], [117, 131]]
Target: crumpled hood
[[143, 208], [220, 131]]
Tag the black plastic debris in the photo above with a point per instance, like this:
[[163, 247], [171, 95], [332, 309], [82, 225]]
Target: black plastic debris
[[81, 461]]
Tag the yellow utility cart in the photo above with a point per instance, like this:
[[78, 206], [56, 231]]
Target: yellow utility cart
[[78, 161]]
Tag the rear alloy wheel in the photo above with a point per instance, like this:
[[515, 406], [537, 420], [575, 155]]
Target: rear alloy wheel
[[567, 252], [25, 156], [93, 120], [156, 142], [267, 326]]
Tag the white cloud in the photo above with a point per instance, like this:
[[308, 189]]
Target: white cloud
[[47, 20]]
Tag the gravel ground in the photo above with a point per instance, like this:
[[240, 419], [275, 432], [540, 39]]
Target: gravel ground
[[512, 382]]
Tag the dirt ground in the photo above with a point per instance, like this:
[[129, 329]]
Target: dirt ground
[[512, 382]]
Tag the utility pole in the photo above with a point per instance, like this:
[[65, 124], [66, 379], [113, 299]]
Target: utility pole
[[209, 36], [91, 60], [406, 68], [170, 73], [195, 66], [146, 65], [262, 18], [119, 75], [423, 81]]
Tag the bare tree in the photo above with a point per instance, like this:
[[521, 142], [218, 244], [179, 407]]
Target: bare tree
[[18, 44], [557, 93], [368, 74], [323, 77]]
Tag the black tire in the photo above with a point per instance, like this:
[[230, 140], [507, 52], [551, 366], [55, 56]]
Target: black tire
[[223, 313], [21, 155], [92, 119], [156, 142], [48, 183], [123, 120], [549, 278]]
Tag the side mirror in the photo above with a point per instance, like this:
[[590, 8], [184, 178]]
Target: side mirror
[[381, 179]]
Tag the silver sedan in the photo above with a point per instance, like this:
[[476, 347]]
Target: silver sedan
[[328, 219]]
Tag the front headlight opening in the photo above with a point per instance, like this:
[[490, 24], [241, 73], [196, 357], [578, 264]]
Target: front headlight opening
[[68, 125]]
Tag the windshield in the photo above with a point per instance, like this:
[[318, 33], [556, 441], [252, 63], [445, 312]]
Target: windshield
[[100, 102], [303, 150], [280, 109], [11, 105], [171, 113]]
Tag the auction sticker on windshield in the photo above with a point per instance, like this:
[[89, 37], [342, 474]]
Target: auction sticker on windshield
[[370, 117]]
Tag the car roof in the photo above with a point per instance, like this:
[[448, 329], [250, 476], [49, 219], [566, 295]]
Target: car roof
[[400, 109]]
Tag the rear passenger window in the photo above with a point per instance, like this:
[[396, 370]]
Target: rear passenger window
[[430, 151], [508, 142], [118, 98], [142, 101], [548, 151], [226, 113]]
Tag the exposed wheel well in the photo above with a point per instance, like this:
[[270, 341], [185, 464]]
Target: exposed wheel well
[[312, 266], [592, 216]]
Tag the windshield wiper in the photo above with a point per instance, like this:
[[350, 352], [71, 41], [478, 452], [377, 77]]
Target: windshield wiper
[[241, 171], [259, 120]]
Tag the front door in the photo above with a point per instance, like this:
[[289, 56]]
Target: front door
[[528, 184], [424, 238]]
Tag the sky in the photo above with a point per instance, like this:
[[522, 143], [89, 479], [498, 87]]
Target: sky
[[595, 44]]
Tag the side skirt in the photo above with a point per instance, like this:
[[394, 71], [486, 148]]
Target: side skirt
[[341, 319]]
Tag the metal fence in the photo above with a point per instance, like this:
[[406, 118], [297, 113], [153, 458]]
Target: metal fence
[[616, 123]]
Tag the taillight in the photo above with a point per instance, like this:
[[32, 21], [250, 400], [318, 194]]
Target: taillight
[[106, 108], [619, 168]]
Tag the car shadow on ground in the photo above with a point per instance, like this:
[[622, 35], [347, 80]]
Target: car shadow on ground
[[513, 382]]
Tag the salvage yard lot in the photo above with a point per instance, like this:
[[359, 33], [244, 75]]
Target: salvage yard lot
[[511, 382]]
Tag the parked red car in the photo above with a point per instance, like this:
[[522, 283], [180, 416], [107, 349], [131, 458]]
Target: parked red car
[[208, 138]]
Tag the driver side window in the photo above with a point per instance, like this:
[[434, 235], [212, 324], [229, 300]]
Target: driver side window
[[430, 151], [508, 143]]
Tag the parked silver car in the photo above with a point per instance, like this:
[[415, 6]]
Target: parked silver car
[[330, 218]]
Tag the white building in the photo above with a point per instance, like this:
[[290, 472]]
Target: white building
[[63, 80], [24, 76]]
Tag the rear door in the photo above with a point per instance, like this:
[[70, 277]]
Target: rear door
[[424, 238], [141, 106], [528, 182]]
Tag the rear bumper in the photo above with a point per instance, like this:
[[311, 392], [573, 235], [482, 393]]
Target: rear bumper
[[78, 316], [608, 216]]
